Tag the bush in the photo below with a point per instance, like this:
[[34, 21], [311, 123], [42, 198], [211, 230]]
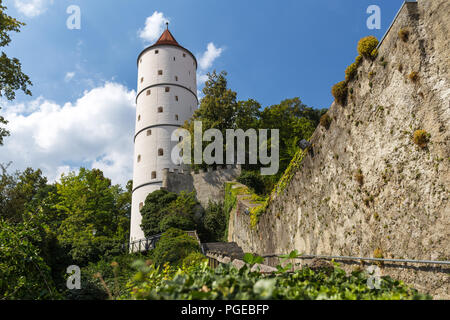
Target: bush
[[403, 34], [228, 283], [215, 222], [193, 259], [325, 121], [351, 71], [173, 247], [153, 210], [253, 180], [366, 46], [340, 92], [179, 221], [421, 138]]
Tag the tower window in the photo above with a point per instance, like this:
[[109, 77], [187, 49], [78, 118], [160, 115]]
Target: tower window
[[139, 117], [140, 61], [153, 174], [160, 109], [156, 51], [141, 205], [149, 132], [160, 152], [142, 79], [180, 139], [173, 58], [184, 55], [167, 89], [176, 98], [181, 153], [139, 158], [176, 117], [160, 72], [149, 92], [176, 78]]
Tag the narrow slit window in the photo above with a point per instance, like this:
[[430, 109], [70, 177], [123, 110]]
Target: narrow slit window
[[139, 117], [139, 158], [160, 109], [160, 72], [160, 152], [176, 98], [149, 92], [156, 51], [176, 117], [149, 132], [167, 89], [176, 78], [153, 174], [142, 79], [141, 205], [174, 59], [184, 55]]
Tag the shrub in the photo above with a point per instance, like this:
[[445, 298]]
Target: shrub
[[374, 54], [367, 45], [414, 76], [194, 258], [340, 91], [325, 121], [179, 221], [173, 247], [215, 222], [403, 34], [351, 72], [253, 180], [421, 138]]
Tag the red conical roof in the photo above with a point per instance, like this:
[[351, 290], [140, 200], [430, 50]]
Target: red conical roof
[[167, 38]]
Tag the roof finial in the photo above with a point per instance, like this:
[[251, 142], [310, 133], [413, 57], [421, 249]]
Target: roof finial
[[167, 25]]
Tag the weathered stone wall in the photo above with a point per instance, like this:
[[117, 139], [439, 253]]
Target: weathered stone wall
[[402, 205], [209, 184]]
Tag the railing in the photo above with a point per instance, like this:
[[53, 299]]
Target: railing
[[149, 243]]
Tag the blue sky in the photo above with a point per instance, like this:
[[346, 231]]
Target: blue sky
[[272, 50]]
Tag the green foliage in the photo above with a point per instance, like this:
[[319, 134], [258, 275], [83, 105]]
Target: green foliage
[[253, 180], [352, 70], [366, 46], [163, 210], [11, 76], [152, 212], [251, 259], [325, 121], [215, 222], [340, 92], [94, 219], [175, 220], [23, 272], [193, 259], [421, 138], [173, 247], [227, 283]]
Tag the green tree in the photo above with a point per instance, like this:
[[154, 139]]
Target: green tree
[[153, 210], [23, 272], [215, 222], [11, 76], [92, 223]]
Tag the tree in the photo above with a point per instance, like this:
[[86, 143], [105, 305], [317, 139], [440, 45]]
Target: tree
[[152, 211], [23, 272], [215, 222], [92, 223], [11, 76]]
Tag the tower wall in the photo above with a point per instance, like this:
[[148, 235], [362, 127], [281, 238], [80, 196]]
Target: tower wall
[[166, 98]]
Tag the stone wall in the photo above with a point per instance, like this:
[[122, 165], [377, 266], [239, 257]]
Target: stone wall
[[364, 186], [209, 184]]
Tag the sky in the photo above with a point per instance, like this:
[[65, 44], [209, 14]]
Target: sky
[[82, 111]]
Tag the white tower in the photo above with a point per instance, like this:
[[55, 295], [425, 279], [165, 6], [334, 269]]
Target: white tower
[[166, 98]]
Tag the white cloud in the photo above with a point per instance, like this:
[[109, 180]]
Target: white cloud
[[154, 27], [69, 76], [207, 58], [32, 8], [96, 131]]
